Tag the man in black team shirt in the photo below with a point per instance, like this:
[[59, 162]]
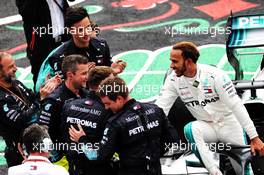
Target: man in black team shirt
[[95, 49], [91, 114], [75, 68], [18, 107], [137, 131]]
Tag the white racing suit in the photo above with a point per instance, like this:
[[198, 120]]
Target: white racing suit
[[212, 99]]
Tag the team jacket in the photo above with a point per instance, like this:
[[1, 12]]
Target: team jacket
[[98, 52], [51, 108], [90, 113], [209, 96], [17, 110], [137, 134]]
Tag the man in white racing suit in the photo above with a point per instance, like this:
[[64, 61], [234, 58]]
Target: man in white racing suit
[[210, 96]]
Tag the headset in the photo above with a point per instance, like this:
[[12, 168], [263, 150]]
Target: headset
[[45, 145]]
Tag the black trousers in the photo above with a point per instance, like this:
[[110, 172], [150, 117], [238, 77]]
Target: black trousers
[[77, 167], [152, 169]]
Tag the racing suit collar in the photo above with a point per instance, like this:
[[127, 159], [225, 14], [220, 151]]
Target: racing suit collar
[[92, 40], [37, 159], [93, 95], [81, 91], [127, 106], [129, 103]]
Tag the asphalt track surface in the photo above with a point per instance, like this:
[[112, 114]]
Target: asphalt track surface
[[139, 25]]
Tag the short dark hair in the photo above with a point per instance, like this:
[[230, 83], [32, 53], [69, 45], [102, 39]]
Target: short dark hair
[[189, 50], [112, 87], [33, 137], [74, 15], [70, 63], [97, 74], [95, 27]]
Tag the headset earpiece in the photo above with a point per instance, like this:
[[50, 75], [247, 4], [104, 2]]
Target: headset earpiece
[[46, 145]]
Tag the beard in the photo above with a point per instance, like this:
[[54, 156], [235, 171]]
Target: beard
[[9, 79], [77, 85], [180, 72]]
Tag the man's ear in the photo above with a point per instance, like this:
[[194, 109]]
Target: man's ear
[[188, 62], [21, 151], [69, 75], [119, 98]]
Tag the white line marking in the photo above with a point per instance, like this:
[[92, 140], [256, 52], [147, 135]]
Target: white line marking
[[24, 73], [10, 19], [148, 72]]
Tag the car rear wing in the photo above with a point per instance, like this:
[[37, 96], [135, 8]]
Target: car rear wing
[[244, 32], [251, 85]]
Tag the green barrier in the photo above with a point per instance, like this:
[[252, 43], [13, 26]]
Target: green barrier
[[2, 148], [146, 69]]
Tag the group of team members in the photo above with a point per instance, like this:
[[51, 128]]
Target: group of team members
[[87, 104], [111, 120], [70, 100]]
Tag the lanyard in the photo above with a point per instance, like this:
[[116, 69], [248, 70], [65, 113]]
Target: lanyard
[[14, 95]]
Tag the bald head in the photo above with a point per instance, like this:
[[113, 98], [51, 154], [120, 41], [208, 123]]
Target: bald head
[[3, 55], [7, 67]]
